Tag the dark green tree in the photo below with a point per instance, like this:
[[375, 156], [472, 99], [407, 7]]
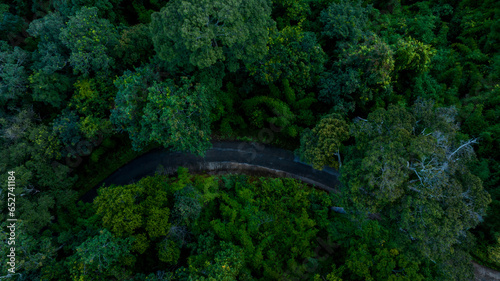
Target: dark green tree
[[409, 167], [51, 54], [51, 89], [202, 33], [164, 113], [32, 254], [13, 74], [109, 9], [346, 21], [294, 55], [290, 12], [101, 257], [10, 24], [90, 39], [361, 76], [135, 45], [67, 128]]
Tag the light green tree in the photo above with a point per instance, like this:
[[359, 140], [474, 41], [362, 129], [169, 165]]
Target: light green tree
[[138, 210], [321, 146]]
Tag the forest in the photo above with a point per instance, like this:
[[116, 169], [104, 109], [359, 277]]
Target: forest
[[402, 97]]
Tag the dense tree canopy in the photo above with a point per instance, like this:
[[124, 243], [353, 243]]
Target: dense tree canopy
[[411, 169], [293, 55], [165, 113], [88, 37], [201, 33], [321, 145], [401, 97], [361, 75]]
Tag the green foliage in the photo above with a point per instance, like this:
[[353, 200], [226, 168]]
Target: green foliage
[[254, 216], [410, 167], [494, 251], [50, 89], [254, 107], [47, 28], [30, 148], [89, 38], [145, 112], [144, 9], [480, 117], [63, 71], [346, 21], [201, 33], [13, 75], [9, 24], [286, 109], [32, 253], [105, 8], [225, 110], [101, 257], [227, 264], [187, 207], [294, 55], [412, 55], [422, 23], [46, 147], [287, 12], [92, 127], [36, 212], [67, 128], [168, 251], [134, 46], [185, 110], [51, 54], [139, 210], [361, 75], [93, 97], [371, 254], [321, 145]]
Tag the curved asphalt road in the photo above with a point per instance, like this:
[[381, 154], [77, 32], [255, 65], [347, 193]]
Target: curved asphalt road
[[233, 157], [238, 157]]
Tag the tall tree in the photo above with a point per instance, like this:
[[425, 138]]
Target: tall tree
[[410, 167], [32, 252], [321, 146], [101, 257], [109, 9], [51, 89], [202, 33], [13, 75], [90, 39], [294, 55], [346, 21], [361, 76], [164, 113], [51, 54], [137, 210], [134, 46]]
